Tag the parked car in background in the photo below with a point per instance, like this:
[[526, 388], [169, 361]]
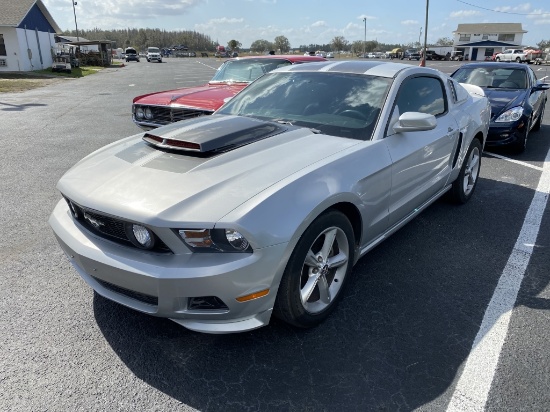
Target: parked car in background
[[130, 54], [411, 54], [330, 55], [153, 54], [161, 108], [265, 207], [517, 99], [514, 55]]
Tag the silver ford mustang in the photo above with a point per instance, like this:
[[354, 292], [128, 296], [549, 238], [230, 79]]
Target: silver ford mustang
[[263, 208]]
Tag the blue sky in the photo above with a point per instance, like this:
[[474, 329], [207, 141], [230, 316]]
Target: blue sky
[[304, 21]]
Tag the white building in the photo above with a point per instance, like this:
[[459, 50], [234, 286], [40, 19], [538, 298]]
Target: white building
[[26, 35], [481, 40]]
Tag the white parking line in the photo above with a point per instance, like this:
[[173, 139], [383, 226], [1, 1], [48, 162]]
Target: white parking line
[[540, 169], [473, 387]]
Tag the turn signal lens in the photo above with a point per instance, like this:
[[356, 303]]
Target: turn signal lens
[[196, 238], [253, 296]]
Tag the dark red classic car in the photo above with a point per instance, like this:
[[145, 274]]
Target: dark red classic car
[[161, 108]]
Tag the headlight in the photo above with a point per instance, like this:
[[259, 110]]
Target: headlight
[[511, 115], [139, 113], [215, 240], [148, 113]]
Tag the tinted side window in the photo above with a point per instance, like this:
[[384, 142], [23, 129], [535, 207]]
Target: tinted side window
[[422, 94]]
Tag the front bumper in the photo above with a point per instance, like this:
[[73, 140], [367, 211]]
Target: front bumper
[[161, 284], [503, 135]]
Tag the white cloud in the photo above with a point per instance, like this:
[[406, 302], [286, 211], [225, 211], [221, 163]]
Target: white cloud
[[364, 16], [464, 13], [319, 23], [410, 22]]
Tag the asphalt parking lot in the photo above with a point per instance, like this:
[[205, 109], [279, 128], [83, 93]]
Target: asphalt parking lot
[[410, 334]]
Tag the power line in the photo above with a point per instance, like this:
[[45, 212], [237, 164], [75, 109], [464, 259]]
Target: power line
[[505, 12]]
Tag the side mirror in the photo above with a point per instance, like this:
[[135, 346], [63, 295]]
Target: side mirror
[[415, 122], [541, 86]]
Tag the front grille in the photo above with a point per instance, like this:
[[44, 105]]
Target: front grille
[[142, 297], [109, 227], [166, 115]]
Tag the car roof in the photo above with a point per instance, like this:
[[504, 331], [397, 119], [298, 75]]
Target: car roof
[[373, 68], [498, 65], [289, 57]]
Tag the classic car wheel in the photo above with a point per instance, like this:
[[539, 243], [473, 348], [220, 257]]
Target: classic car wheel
[[541, 115], [465, 184], [497, 59], [316, 271], [518, 60]]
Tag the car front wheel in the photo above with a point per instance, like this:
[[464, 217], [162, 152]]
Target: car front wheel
[[541, 115], [465, 184], [520, 145], [316, 272]]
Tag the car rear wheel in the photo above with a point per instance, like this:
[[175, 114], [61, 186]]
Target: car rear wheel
[[466, 182], [518, 60], [316, 272], [497, 59]]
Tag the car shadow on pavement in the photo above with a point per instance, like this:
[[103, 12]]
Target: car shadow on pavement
[[396, 342], [7, 107]]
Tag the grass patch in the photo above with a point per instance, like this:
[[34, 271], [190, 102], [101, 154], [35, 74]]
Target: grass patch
[[21, 81], [75, 72]]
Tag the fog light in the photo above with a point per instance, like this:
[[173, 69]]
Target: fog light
[[143, 236]]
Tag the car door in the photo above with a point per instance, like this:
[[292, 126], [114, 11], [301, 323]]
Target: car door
[[421, 160]]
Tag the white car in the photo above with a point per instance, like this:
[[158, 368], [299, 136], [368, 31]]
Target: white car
[[264, 207], [153, 54]]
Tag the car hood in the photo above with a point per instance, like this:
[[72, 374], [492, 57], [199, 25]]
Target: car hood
[[207, 97], [137, 181], [504, 99]]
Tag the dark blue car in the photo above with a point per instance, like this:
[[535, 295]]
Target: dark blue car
[[517, 100]]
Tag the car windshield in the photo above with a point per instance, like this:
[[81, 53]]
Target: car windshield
[[491, 77], [153, 50], [246, 70], [338, 104]]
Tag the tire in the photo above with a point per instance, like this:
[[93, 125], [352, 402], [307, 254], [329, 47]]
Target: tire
[[316, 272], [518, 60], [520, 145], [464, 186], [497, 59], [541, 115]]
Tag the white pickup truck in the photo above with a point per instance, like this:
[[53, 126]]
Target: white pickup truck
[[514, 55]]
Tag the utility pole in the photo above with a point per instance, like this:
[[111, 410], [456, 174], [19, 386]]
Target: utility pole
[[423, 62], [76, 25], [420, 35], [365, 41]]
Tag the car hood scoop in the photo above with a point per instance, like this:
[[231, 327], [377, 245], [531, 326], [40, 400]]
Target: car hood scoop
[[217, 133]]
